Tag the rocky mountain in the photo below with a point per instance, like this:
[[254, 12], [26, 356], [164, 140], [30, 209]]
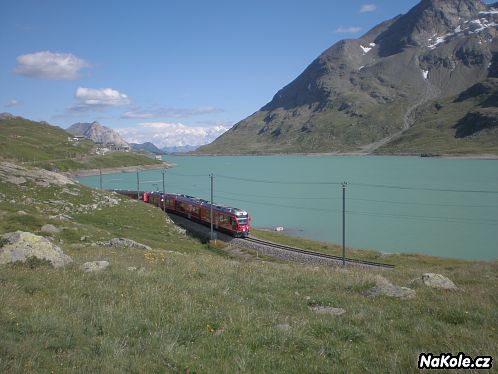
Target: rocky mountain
[[147, 147], [363, 94], [96, 132]]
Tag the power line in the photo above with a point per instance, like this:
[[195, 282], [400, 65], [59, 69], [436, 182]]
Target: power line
[[428, 218], [280, 205], [281, 197], [187, 175], [374, 214], [422, 188], [277, 182], [266, 181]]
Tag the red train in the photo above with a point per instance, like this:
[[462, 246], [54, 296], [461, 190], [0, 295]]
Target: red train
[[230, 220]]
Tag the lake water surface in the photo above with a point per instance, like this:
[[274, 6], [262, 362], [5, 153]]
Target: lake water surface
[[441, 207]]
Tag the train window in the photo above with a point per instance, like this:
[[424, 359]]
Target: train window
[[242, 220], [232, 222]]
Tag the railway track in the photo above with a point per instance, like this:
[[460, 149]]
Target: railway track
[[348, 261]]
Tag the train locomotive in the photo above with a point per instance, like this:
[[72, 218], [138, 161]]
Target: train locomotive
[[233, 221]]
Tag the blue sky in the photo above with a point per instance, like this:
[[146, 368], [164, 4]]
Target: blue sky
[[162, 67]]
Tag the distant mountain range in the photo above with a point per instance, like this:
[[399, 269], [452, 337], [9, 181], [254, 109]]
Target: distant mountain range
[[180, 148], [147, 147], [96, 132], [426, 81]]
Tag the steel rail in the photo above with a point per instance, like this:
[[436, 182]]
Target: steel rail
[[318, 254]]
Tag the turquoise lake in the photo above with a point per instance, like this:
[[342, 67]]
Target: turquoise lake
[[441, 207]]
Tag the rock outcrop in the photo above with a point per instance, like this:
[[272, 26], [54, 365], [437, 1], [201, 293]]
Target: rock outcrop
[[20, 246], [123, 243], [16, 174], [92, 266], [50, 229], [434, 280], [385, 288]]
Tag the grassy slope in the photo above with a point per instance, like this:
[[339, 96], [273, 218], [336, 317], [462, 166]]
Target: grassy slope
[[325, 131], [46, 146], [436, 123], [435, 129], [194, 308]]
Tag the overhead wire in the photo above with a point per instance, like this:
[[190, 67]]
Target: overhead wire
[[421, 188]]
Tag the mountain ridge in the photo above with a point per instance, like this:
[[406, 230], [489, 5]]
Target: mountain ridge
[[364, 91], [97, 133]]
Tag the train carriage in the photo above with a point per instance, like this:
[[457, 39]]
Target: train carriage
[[233, 221]]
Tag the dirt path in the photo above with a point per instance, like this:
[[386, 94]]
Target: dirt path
[[431, 93]]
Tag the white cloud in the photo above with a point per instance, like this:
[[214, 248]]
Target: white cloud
[[165, 134], [89, 99], [49, 65], [348, 30], [12, 103], [367, 8], [171, 112]]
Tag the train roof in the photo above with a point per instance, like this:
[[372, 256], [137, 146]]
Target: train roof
[[193, 200], [199, 201]]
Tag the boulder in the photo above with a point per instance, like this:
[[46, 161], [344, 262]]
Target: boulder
[[392, 291], [50, 229], [434, 280], [123, 243], [94, 266], [20, 245]]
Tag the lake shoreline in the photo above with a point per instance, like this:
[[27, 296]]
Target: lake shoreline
[[425, 205], [114, 170], [354, 154]]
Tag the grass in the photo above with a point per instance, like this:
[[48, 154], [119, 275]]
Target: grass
[[190, 307], [41, 145], [435, 128]]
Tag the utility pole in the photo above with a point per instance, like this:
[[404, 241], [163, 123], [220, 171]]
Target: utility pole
[[344, 185], [211, 209], [138, 186], [100, 173], [164, 191]]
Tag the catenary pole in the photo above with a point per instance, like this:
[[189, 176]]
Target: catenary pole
[[344, 223], [138, 186], [164, 191], [211, 205]]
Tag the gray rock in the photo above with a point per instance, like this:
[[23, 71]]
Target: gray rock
[[50, 229], [434, 280], [123, 243], [22, 213], [71, 192], [16, 174], [322, 309], [94, 266], [22, 245], [392, 291]]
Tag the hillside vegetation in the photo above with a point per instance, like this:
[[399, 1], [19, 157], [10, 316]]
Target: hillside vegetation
[[183, 306], [40, 144], [462, 124]]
